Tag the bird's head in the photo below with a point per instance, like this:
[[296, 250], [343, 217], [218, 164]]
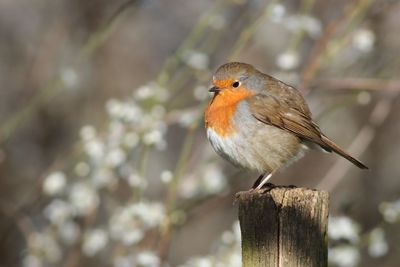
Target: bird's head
[[234, 77]]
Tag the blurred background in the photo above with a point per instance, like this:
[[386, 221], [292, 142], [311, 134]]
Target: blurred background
[[103, 155]]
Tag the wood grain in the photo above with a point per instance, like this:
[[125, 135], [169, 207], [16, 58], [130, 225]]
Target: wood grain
[[284, 227]]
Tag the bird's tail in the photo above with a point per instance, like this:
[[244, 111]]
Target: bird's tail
[[335, 148]]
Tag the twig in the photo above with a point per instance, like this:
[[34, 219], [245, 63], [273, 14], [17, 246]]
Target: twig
[[247, 33], [195, 35], [55, 84], [357, 84], [360, 143], [313, 63], [320, 48], [296, 40], [173, 190]]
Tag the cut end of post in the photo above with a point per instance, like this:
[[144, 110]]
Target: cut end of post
[[283, 226]]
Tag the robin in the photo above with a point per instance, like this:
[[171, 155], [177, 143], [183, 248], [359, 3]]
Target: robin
[[258, 122]]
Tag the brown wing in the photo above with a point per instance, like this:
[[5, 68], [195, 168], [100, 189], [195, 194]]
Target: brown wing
[[269, 110], [287, 94]]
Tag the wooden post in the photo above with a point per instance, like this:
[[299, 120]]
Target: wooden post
[[284, 227]]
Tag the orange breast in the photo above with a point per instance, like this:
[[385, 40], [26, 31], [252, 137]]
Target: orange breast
[[221, 108]]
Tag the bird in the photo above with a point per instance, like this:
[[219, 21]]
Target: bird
[[258, 122]]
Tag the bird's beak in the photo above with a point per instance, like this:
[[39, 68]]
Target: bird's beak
[[214, 89]]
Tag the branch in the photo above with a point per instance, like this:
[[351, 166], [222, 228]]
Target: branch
[[358, 84], [360, 143]]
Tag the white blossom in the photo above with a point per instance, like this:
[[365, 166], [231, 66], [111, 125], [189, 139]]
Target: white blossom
[[200, 92], [153, 137], [127, 111], [82, 169], [236, 231], [54, 183], [131, 139], [129, 223], [277, 12], [145, 92], [58, 211], [235, 260], [87, 133], [344, 256], [148, 258], [115, 133], [196, 59], [158, 112], [213, 179], [94, 241], [226, 254], [69, 77], [189, 187], [378, 246], [116, 157], [210, 180], [228, 237], [95, 149], [390, 211], [288, 60], [188, 118], [124, 261], [343, 228], [45, 245], [151, 90], [131, 113], [114, 107], [151, 214], [233, 235], [135, 180], [166, 176], [364, 40], [83, 198], [69, 232], [364, 98], [199, 262], [307, 23], [103, 177], [127, 236], [32, 261]]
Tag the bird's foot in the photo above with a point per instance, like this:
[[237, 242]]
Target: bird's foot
[[264, 180], [258, 181], [265, 188]]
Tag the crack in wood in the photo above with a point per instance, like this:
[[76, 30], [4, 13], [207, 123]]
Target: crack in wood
[[284, 227]]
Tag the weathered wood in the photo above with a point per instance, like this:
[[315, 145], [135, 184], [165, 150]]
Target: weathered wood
[[284, 227]]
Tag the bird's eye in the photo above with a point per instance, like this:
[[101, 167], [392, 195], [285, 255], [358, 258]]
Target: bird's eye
[[236, 84]]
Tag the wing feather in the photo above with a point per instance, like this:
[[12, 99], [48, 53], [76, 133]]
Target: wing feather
[[267, 109]]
